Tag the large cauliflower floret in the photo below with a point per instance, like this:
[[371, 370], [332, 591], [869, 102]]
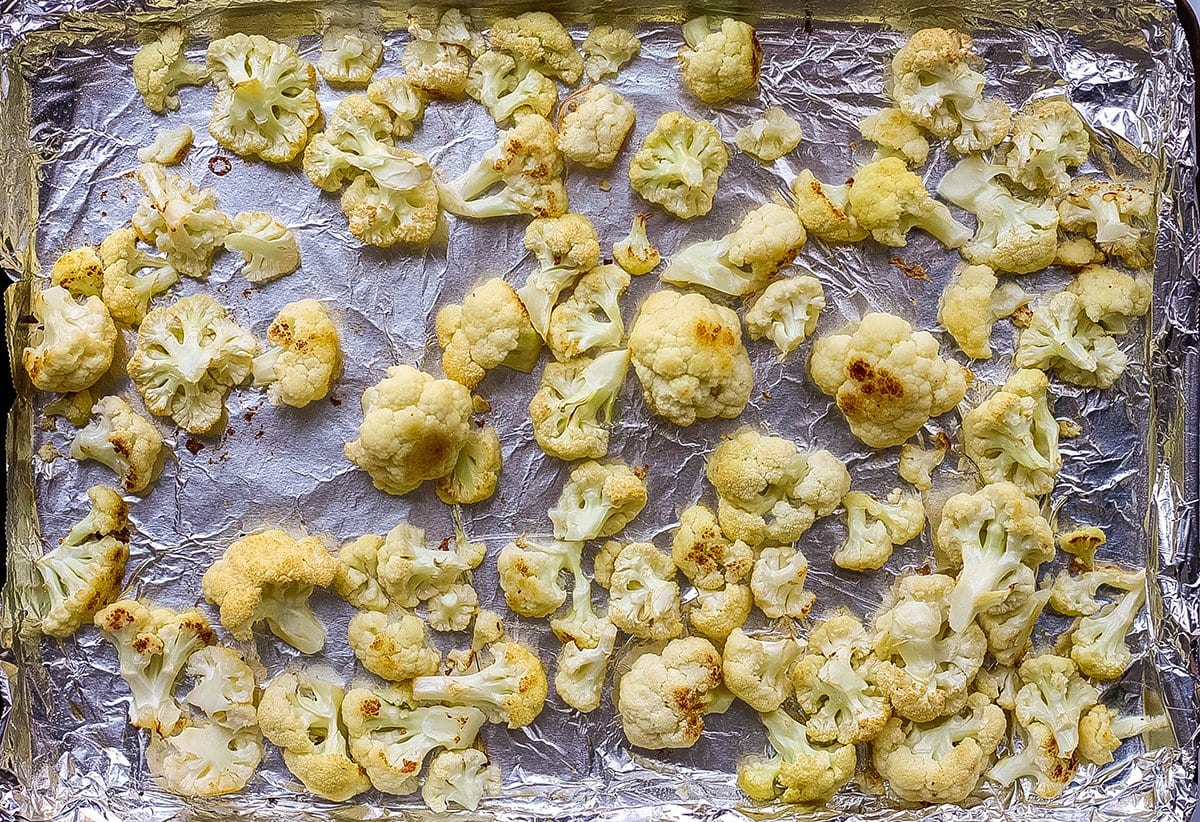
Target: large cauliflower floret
[[971, 305], [438, 55], [1109, 297], [679, 165], [537, 37], [413, 427], [703, 553], [266, 97], [835, 683], [998, 537], [153, 646], [1013, 435], [934, 82], [768, 490], [769, 137], [511, 689], [1102, 730], [799, 771], [598, 500], [1061, 337], [643, 595], [663, 698], [889, 201], [766, 240], [268, 247], [590, 319], [459, 777], [72, 345], [189, 355], [573, 410], [530, 574], [721, 59], [270, 576], [126, 291], [579, 680], [83, 574], [777, 582], [874, 527], [636, 254], [374, 571], [926, 667], [1011, 234], [689, 358], [895, 135], [1098, 642], [606, 49], [510, 90], [476, 471], [1039, 759], [349, 58], [1119, 217], [1055, 695], [756, 669], [940, 761], [1049, 138], [489, 329], [403, 101], [123, 440], [160, 68], [80, 271], [593, 126], [566, 248], [392, 648], [886, 379], [786, 313], [527, 165], [179, 219], [303, 357], [824, 209]]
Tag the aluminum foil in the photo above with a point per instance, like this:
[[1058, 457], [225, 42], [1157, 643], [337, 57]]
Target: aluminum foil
[[70, 123]]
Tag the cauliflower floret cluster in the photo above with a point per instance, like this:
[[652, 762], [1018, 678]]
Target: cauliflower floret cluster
[[917, 464], [769, 137], [1049, 138], [590, 319], [303, 357], [643, 594], [489, 329], [573, 409], [180, 220], [721, 59], [476, 471], [1109, 297], [777, 582], [663, 698], [757, 670], [392, 648], [169, 147], [438, 55], [1118, 216], [874, 527], [72, 345], [349, 58], [79, 271], [895, 135], [888, 200], [404, 101], [538, 38], [566, 248], [636, 254], [510, 90], [511, 689], [1013, 435], [530, 574], [786, 312], [679, 165], [593, 126], [971, 305], [123, 440], [160, 68], [1060, 337], [800, 771], [459, 777]]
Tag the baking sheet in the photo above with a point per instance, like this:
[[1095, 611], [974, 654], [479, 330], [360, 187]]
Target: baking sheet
[[70, 124]]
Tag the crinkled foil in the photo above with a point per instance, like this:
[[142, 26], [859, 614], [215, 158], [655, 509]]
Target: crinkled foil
[[70, 123]]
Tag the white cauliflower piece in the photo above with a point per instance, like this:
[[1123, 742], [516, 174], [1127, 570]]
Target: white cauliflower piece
[[643, 594], [1109, 297], [509, 90], [917, 464], [579, 680], [663, 698], [459, 777], [679, 165], [126, 292], [721, 58], [1118, 216], [606, 49], [438, 55], [835, 683], [566, 248], [349, 58], [590, 319], [489, 329], [874, 528], [1013, 435], [454, 609], [756, 669], [636, 254], [123, 440], [1049, 138], [972, 304], [771, 136], [786, 312], [72, 344], [895, 135], [303, 357], [537, 37], [160, 68], [1061, 337], [404, 101], [598, 500], [169, 147], [476, 471], [394, 649], [778, 582], [573, 409], [180, 220], [824, 209], [270, 249], [704, 554], [593, 125]]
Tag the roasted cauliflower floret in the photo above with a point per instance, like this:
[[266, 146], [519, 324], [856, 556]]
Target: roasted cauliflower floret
[[756, 669], [392, 648], [454, 609], [511, 689], [566, 248], [824, 209], [1039, 759], [537, 37], [799, 771], [1102, 730], [643, 595], [1098, 643], [123, 440], [508, 89], [598, 500], [1061, 337], [895, 135], [590, 319], [606, 49], [349, 58], [888, 200], [270, 249], [303, 357], [636, 254], [72, 344], [375, 571], [972, 304], [1118, 216], [438, 54], [160, 68], [404, 101], [721, 59], [1053, 694], [786, 312], [1049, 138], [663, 698], [579, 680], [1009, 631], [1109, 297], [771, 136], [679, 165], [179, 219], [126, 291], [917, 464], [169, 147], [489, 329], [477, 470], [1013, 435], [80, 271], [703, 553], [874, 527], [1076, 594], [530, 574], [836, 686], [460, 777], [777, 582], [593, 126], [573, 410]]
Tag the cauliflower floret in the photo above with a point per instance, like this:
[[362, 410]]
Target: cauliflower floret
[[1011, 234], [349, 58], [572, 411], [269, 248], [1119, 217], [1008, 632], [766, 241], [971, 305], [153, 646], [1098, 643], [169, 148], [1013, 435], [394, 649], [769, 137], [489, 329], [160, 68], [926, 667], [1102, 730], [887, 380], [537, 37], [413, 427], [597, 501], [1048, 139], [895, 135], [998, 537], [1075, 594], [824, 209], [636, 254], [80, 271], [270, 576], [835, 683], [391, 737], [462, 777], [373, 570], [454, 609], [1081, 544], [83, 574], [679, 165], [579, 680], [72, 344], [189, 355], [935, 83], [756, 670], [566, 248], [917, 464], [529, 574], [606, 49], [778, 582], [787, 312], [768, 490], [126, 294], [716, 614], [303, 358], [663, 698], [590, 319], [1061, 337], [704, 555], [266, 97], [1039, 759], [643, 595], [527, 165], [512, 689], [799, 771], [438, 55], [404, 101], [476, 472], [688, 355], [721, 59], [889, 201], [179, 219], [123, 440], [874, 528], [1053, 694], [510, 90], [301, 713], [943, 760], [593, 125], [1109, 297]]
